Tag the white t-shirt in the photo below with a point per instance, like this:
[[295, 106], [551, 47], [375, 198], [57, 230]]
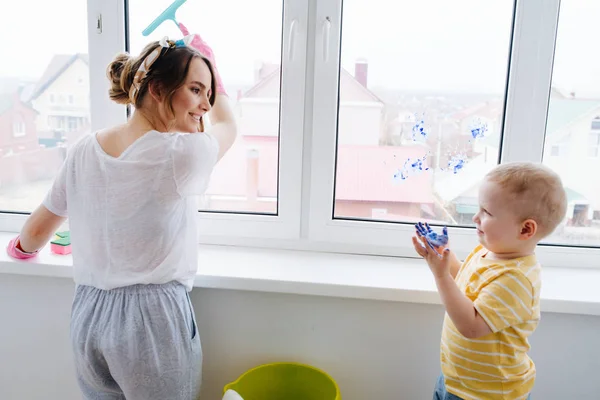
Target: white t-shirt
[[133, 218]]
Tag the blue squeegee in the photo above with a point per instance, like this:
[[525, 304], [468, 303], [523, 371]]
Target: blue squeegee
[[169, 13]]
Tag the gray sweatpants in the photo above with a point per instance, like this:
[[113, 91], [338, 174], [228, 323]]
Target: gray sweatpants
[[136, 343]]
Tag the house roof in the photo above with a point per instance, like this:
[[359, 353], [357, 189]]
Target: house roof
[[563, 112], [345, 75], [57, 66], [262, 83], [575, 197], [275, 72], [557, 93], [364, 173], [7, 101]]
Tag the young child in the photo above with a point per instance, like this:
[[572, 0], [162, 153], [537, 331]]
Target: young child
[[492, 299]]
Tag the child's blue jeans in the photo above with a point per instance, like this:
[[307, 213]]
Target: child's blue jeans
[[440, 392]]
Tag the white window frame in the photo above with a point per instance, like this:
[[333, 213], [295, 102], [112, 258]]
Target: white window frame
[[214, 227], [310, 69], [236, 228], [528, 93]]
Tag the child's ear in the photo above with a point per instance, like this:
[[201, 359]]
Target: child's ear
[[528, 229]]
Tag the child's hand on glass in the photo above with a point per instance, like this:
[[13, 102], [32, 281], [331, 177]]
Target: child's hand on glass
[[435, 239], [433, 247]]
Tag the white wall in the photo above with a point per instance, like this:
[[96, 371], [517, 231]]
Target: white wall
[[360, 124], [258, 117], [375, 350]]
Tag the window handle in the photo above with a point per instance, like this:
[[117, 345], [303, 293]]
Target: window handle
[[326, 36], [292, 39]]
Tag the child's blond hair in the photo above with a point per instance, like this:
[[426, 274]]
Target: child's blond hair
[[536, 192]]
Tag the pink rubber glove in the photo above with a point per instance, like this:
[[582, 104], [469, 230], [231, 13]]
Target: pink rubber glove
[[14, 250], [207, 52]]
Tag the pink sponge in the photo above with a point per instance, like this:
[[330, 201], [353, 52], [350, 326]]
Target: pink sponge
[[62, 243], [59, 249]]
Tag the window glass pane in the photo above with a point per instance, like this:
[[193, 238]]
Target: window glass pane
[[46, 60], [574, 121], [248, 56], [421, 107]]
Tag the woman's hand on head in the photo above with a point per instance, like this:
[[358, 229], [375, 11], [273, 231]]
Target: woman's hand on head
[[199, 44]]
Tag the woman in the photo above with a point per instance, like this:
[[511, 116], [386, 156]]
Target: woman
[[128, 192]]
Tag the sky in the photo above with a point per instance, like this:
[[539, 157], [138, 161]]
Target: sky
[[428, 45]]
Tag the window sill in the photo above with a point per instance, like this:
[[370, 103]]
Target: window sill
[[571, 291]]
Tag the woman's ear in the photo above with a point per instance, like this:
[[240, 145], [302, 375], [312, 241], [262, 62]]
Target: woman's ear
[[155, 92]]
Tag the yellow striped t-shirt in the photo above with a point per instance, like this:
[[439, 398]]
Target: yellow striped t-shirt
[[507, 295]]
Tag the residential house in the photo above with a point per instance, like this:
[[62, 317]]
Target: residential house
[[61, 97], [572, 149], [246, 178], [17, 125], [21, 158]]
